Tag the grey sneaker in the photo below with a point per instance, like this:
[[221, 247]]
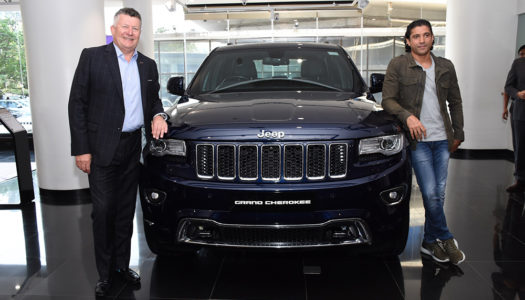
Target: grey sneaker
[[435, 250], [451, 248]]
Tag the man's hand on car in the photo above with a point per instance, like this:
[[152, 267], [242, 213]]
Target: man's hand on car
[[417, 130]]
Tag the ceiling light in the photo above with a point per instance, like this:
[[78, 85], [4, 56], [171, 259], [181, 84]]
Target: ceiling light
[[170, 5], [362, 4]]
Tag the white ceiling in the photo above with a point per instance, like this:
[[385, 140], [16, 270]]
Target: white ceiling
[[378, 13]]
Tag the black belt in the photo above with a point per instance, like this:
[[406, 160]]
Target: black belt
[[124, 134]]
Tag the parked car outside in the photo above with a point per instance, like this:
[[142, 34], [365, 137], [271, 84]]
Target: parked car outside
[[166, 103], [14, 106], [21, 111], [276, 146]]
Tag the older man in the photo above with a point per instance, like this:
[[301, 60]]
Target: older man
[[113, 95]]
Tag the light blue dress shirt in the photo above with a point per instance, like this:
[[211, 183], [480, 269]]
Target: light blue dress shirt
[[129, 74]]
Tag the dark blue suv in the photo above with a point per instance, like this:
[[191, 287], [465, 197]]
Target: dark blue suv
[[277, 146]]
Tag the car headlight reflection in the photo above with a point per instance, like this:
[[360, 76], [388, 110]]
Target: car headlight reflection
[[161, 147], [387, 145]]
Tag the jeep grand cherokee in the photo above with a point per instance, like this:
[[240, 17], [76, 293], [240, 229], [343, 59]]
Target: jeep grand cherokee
[[276, 146]]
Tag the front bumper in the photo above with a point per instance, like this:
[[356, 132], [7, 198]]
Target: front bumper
[[276, 215]]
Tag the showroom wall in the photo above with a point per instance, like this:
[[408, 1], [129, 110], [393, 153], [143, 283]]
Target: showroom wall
[[482, 44]]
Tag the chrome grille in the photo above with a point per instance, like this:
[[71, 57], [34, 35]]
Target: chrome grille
[[205, 161], [337, 232], [272, 162], [316, 162], [338, 160], [226, 162], [248, 158], [293, 162]]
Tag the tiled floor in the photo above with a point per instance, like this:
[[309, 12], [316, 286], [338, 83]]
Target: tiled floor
[[7, 165], [46, 253]]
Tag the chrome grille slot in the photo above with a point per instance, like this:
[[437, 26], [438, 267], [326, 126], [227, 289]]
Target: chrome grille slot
[[226, 162], [205, 161], [248, 159], [293, 162], [271, 162], [316, 161], [338, 160]]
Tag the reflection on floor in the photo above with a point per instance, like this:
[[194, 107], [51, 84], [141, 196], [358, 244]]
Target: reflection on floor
[[46, 253]]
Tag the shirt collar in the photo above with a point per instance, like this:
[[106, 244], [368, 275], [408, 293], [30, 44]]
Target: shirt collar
[[121, 55], [413, 63], [431, 65]]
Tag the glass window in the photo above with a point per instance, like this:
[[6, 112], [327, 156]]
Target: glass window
[[439, 46], [13, 72], [196, 52], [170, 62], [399, 46], [218, 43], [171, 57], [251, 41], [380, 52], [295, 39], [357, 52]]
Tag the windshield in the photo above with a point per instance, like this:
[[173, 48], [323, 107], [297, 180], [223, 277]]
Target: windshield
[[276, 69]]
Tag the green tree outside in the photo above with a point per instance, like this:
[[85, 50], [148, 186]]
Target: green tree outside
[[13, 71]]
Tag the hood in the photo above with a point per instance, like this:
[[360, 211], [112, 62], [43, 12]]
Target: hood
[[297, 115]]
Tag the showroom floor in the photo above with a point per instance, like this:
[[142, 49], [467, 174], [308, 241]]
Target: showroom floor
[[46, 252]]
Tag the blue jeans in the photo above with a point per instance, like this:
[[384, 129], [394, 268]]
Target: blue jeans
[[430, 163]]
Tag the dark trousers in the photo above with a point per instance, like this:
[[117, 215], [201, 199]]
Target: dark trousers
[[513, 131], [114, 193], [519, 148]]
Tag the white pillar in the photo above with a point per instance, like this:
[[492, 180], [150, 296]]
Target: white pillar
[[481, 42], [55, 33], [144, 7]]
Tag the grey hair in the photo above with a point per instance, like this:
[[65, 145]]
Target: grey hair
[[128, 11]]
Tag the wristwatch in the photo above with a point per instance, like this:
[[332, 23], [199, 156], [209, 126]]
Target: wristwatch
[[163, 115]]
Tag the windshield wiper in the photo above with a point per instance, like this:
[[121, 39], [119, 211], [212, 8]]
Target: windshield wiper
[[317, 84], [228, 87], [268, 80]]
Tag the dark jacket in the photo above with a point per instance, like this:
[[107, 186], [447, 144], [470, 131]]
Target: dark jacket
[[96, 102], [515, 83], [403, 90]]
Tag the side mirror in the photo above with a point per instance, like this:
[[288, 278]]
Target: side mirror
[[376, 82], [176, 85]]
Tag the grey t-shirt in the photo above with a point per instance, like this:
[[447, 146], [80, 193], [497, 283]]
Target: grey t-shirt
[[430, 113]]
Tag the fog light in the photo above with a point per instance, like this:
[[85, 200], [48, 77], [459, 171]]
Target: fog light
[[154, 196], [345, 232], [393, 196], [199, 231]]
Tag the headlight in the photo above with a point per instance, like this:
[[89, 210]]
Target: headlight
[[387, 145], [163, 147]]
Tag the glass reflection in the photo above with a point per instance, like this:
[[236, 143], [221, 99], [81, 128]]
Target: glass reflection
[[509, 251]]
